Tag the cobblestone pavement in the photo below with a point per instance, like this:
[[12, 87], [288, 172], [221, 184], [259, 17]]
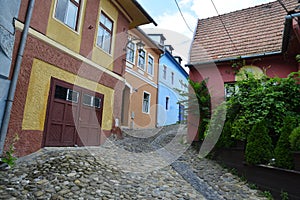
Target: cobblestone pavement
[[162, 166]]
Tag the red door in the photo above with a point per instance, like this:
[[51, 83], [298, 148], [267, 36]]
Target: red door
[[71, 118]]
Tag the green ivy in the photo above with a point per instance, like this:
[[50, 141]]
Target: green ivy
[[268, 99]]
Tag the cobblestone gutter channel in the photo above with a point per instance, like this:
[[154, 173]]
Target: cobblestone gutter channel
[[183, 168]]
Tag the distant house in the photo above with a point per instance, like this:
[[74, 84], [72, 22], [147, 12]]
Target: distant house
[[141, 74], [71, 74], [172, 78], [264, 38]]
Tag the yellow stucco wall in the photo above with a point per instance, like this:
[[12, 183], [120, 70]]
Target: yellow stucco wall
[[61, 33], [38, 92], [99, 56]]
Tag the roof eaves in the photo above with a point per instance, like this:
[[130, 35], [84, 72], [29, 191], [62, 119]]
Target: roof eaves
[[144, 12], [234, 58]]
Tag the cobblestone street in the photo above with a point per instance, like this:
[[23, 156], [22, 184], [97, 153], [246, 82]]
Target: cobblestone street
[[162, 166]]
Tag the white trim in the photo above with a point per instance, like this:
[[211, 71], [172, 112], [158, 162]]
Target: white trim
[[149, 103], [20, 26], [153, 64], [134, 52], [137, 75], [145, 64]]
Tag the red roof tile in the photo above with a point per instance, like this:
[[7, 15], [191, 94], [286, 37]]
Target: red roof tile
[[253, 30]]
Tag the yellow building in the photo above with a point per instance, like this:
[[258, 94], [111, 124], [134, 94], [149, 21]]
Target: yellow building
[[72, 71]]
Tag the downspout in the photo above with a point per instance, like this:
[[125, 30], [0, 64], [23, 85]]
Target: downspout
[[14, 80]]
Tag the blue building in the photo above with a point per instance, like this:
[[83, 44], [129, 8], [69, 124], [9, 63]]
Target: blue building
[[9, 10], [171, 78]]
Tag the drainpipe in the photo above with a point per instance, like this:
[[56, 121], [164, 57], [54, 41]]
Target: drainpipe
[[14, 80]]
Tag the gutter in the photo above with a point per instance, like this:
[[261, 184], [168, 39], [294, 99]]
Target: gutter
[[235, 58], [14, 80]]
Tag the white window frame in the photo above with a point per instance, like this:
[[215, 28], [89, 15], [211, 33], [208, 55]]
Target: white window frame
[[134, 52], [172, 78], [165, 69], [78, 14], [145, 60], [151, 57], [148, 109], [103, 27]]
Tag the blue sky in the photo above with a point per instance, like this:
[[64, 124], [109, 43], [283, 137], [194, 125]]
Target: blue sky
[[171, 24], [166, 14]]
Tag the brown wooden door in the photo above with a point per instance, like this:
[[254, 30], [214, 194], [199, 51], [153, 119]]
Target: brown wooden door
[[90, 117], [71, 120]]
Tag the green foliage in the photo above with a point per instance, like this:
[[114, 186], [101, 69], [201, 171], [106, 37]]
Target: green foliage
[[283, 155], [268, 195], [9, 158], [294, 139], [204, 105], [225, 140], [297, 58], [268, 99], [284, 195], [259, 145]]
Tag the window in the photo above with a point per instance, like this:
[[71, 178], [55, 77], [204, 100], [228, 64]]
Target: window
[[141, 59], [146, 103], [130, 52], [67, 11], [230, 89], [66, 94], [105, 31], [91, 101], [167, 103], [150, 65], [172, 78], [165, 72]]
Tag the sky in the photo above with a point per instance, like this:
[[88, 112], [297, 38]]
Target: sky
[[170, 22]]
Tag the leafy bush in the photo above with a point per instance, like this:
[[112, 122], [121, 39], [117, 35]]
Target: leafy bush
[[283, 155], [294, 139], [204, 105], [259, 145], [226, 140], [268, 99]]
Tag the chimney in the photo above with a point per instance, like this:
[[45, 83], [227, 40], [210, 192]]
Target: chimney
[[178, 59]]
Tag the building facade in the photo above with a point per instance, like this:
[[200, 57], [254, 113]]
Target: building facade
[[70, 78], [172, 81], [139, 108], [256, 46]]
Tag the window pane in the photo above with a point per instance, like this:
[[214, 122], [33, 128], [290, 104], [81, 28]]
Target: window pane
[[146, 101], [72, 96], [97, 102], [106, 44], [104, 33], [60, 92], [71, 17], [87, 100], [61, 10], [150, 65]]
